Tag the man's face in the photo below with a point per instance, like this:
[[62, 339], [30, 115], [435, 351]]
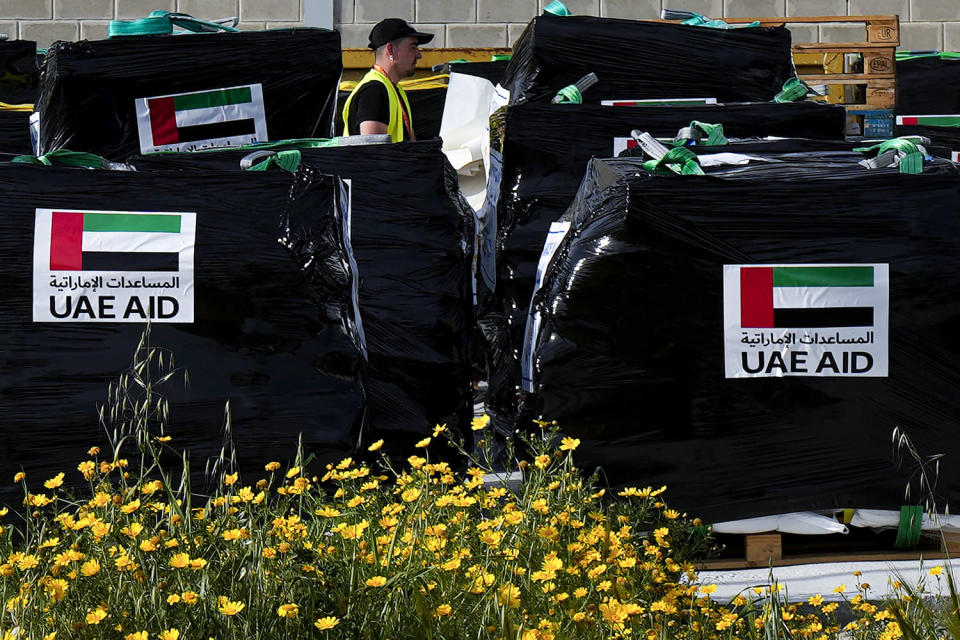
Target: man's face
[[406, 52]]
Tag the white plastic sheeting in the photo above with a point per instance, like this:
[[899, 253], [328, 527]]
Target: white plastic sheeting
[[804, 523]]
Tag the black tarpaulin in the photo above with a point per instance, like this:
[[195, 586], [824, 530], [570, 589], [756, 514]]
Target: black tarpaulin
[[630, 356], [928, 84], [413, 239], [273, 333], [191, 91], [545, 152], [640, 60]]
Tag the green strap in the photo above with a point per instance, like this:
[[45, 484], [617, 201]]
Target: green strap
[[570, 94], [286, 160], [793, 90], [908, 530], [299, 143], [713, 134], [702, 21], [557, 8], [913, 55], [65, 158], [161, 23], [500, 57], [678, 160], [910, 155]]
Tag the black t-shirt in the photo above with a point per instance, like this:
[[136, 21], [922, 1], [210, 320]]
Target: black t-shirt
[[371, 103]]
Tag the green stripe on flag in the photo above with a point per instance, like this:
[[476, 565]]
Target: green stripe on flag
[[218, 98], [823, 276], [127, 222]]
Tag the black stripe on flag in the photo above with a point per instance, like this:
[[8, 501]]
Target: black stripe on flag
[[130, 261], [820, 317], [226, 129]]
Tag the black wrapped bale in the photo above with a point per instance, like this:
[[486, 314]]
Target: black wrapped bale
[[929, 85], [19, 72], [413, 239], [15, 132], [545, 151], [141, 94], [270, 288], [652, 296], [640, 60]]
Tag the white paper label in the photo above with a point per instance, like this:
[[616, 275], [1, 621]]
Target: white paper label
[[113, 266], [806, 320], [227, 117]]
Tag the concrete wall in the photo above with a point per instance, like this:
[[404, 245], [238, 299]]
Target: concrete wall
[[927, 24]]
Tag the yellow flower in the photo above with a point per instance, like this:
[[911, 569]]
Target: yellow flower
[[190, 597], [508, 595], [19, 476], [197, 563], [816, 600], [288, 610], [410, 495], [92, 451], [230, 478], [443, 610], [840, 589], [326, 623], [180, 560], [88, 469], [376, 581], [569, 444], [478, 424], [375, 446], [579, 592], [272, 466], [423, 443], [542, 462], [670, 514], [710, 588], [133, 530], [95, 616], [293, 471], [54, 482], [139, 635], [131, 506], [229, 607], [169, 634], [438, 429], [936, 571], [90, 568], [173, 598]]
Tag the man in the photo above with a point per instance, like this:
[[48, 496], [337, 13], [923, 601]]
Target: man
[[377, 104]]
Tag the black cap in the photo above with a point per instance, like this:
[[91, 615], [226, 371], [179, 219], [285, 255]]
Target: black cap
[[391, 29]]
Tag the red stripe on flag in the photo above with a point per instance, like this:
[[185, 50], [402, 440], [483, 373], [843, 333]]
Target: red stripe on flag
[[756, 297], [163, 121], [66, 241], [907, 120], [631, 143]]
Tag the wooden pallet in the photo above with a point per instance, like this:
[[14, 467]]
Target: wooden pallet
[[766, 549], [878, 51], [356, 62]]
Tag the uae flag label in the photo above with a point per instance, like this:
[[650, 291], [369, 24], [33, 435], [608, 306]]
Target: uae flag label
[[806, 320], [227, 117], [113, 266]]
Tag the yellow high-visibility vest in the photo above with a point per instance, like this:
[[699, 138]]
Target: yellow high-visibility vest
[[394, 95]]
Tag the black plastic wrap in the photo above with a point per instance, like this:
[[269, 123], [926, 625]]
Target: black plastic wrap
[[928, 85], [90, 90], [546, 149], [425, 104], [274, 328], [630, 354], [19, 72], [413, 240], [639, 60], [15, 132], [794, 148]]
